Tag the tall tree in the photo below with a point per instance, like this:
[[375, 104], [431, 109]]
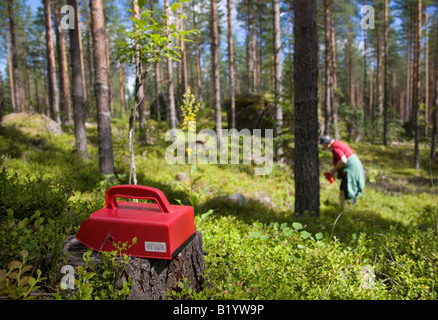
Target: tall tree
[[172, 111], [215, 69], [385, 77], [328, 69], [435, 110], [416, 83], [426, 72], [11, 74], [64, 83], [198, 57], [51, 68], [335, 85], [2, 105], [231, 66], [156, 75], [105, 140], [306, 168], [185, 79], [278, 77], [16, 91], [79, 108]]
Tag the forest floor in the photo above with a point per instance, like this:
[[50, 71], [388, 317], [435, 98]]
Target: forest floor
[[258, 248]]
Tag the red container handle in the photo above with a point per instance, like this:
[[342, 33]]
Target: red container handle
[[136, 192]]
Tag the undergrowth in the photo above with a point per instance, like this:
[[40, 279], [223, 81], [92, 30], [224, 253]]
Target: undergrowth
[[384, 247]]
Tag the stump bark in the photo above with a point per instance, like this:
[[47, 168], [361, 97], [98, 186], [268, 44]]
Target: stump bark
[[152, 277]]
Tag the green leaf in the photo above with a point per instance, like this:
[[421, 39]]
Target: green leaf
[[31, 281], [305, 235], [254, 234], [175, 6], [205, 215], [318, 236], [14, 265], [141, 3], [297, 226]]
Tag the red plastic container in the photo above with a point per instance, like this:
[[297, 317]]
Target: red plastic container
[[162, 230], [329, 177]]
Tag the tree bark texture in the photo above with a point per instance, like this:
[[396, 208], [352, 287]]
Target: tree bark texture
[[328, 69], [172, 111], [215, 70], [152, 277], [417, 84], [105, 140], [51, 68], [385, 78], [16, 91], [278, 77], [78, 94], [231, 66], [306, 169], [64, 83]]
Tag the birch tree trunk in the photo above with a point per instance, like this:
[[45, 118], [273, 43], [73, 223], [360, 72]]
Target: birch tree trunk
[[170, 88]]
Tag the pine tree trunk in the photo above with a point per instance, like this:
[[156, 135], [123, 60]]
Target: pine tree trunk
[[11, 75], [335, 84], [51, 69], [215, 70], [78, 94], [417, 84], [64, 83], [2, 106], [278, 77], [426, 72], [198, 59], [231, 66], [89, 59], [172, 110], [16, 91], [328, 75], [435, 110], [306, 169], [248, 46], [385, 78], [105, 140], [185, 79]]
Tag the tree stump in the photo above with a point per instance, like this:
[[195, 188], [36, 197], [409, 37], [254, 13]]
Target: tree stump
[[152, 277]]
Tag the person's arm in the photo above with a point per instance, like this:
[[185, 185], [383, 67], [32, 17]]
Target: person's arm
[[339, 165]]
